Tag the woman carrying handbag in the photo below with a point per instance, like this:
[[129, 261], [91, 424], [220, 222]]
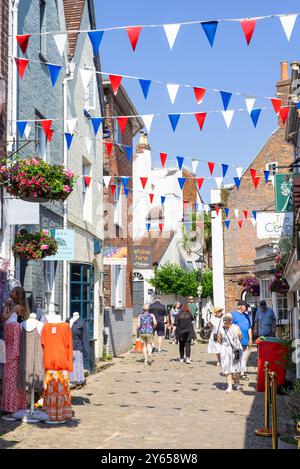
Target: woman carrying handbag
[[216, 324]]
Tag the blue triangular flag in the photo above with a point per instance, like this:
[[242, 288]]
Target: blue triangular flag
[[180, 160], [226, 210], [54, 72], [125, 181], [148, 225], [174, 118], [96, 121], [226, 97], [224, 169], [126, 191], [237, 182], [255, 116], [69, 138], [196, 207], [254, 214], [96, 38], [267, 174], [21, 127], [128, 151], [145, 85], [162, 198], [227, 223], [210, 28], [181, 182]]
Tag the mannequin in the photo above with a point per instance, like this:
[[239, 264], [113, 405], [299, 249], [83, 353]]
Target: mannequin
[[80, 346], [53, 318]]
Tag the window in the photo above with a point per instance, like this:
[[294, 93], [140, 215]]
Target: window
[[82, 293], [40, 138], [282, 308], [86, 193], [90, 101], [49, 276], [272, 167], [43, 28], [118, 284], [265, 289], [118, 205], [118, 137]]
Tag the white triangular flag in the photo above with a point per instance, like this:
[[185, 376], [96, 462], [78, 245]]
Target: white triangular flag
[[89, 144], [236, 212], [27, 130], [60, 41], [71, 123], [288, 23], [228, 115], [172, 90], [86, 75], [253, 221], [219, 181], [249, 104], [171, 31], [148, 121], [195, 165], [206, 208], [239, 171], [106, 180]]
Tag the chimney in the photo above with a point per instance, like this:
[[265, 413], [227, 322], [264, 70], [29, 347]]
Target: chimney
[[283, 85], [284, 70], [143, 142]]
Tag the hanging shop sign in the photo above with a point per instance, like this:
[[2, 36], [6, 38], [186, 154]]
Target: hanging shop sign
[[115, 255], [142, 257], [272, 225], [284, 193], [19, 212], [66, 245]]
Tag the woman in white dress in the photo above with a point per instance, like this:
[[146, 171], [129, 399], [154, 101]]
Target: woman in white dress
[[216, 324], [231, 352]]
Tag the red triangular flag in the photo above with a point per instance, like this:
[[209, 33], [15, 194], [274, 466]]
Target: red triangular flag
[[109, 147], [276, 102], [21, 66], [199, 93], [87, 180], [245, 212], [46, 124], [248, 28], [199, 182], [23, 41], [200, 116], [113, 189], [49, 135], [151, 197], [144, 182], [284, 112], [161, 225], [217, 209], [133, 34], [256, 181], [122, 121], [115, 81], [163, 158], [253, 173], [240, 222], [211, 167]]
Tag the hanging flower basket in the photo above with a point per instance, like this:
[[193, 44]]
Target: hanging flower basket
[[35, 245], [279, 285], [250, 284], [37, 181]]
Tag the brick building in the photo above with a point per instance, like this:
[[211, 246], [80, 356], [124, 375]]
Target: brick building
[[117, 285], [239, 245]]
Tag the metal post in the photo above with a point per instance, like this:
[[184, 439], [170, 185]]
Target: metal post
[[266, 431], [274, 410]]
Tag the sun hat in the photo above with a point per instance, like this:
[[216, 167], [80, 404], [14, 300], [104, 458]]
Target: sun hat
[[217, 309]]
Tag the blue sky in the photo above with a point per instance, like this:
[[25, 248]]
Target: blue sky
[[229, 65]]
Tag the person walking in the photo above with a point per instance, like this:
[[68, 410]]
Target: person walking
[[160, 312], [265, 321], [173, 314], [231, 352], [146, 325], [194, 311], [184, 332], [241, 319], [216, 324]]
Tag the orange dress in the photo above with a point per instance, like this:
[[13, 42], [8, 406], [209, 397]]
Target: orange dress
[[58, 362]]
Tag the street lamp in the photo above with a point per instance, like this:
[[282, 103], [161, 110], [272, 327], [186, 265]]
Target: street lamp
[[200, 263]]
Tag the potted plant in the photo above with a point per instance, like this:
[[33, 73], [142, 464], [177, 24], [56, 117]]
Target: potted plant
[[34, 246], [251, 284], [35, 180], [291, 402]]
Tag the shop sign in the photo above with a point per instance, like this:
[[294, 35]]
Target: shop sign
[[272, 225], [283, 193], [66, 246], [19, 212], [115, 255], [141, 257]]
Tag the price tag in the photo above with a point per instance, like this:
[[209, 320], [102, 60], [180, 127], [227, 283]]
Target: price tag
[[54, 330]]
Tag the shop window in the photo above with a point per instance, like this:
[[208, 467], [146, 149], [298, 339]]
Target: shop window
[[282, 308], [265, 289], [82, 293]]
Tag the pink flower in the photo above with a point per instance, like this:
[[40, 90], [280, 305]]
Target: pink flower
[[68, 173], [44, 247], [67, 189], [46, 232], [34, 161], [34, 194]]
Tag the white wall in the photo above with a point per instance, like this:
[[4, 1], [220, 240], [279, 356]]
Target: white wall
[[217, 252]]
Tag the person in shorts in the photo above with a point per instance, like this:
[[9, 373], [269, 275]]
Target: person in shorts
[[146, 326]]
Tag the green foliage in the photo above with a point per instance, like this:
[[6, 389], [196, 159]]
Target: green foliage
[[207, 284], [35, 245]]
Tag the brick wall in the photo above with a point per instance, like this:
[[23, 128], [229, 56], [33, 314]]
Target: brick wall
[[239, 244], [3, 70]]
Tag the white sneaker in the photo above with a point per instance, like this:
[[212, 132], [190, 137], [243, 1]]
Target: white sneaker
[[187, 360], [228, 390], [181, 360], [145, 362], [159, 350]]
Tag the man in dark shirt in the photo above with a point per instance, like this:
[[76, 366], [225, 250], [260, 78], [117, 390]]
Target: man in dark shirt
[[160, 312]]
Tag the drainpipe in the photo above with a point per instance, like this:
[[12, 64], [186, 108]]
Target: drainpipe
[[70, 73]]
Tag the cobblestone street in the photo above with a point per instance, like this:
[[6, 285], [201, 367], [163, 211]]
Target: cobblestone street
[[167, 405]]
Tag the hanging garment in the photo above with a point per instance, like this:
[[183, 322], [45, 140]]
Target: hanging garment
[[57, 397], [31, 370], [77, 375], [13, 399], [58, 348], [81, 346]]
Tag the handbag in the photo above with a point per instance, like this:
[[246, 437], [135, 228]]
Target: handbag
[[216, 335], [236, 352]]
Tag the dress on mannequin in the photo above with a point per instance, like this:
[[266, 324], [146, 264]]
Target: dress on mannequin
[[13, 399], [80, 346]]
